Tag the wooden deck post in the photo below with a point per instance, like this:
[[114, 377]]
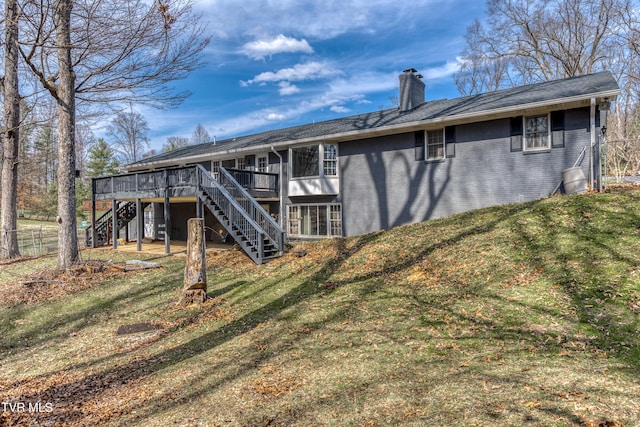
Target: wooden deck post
[[195, 270], [140, 224], [199, 213], [94, 235], [167, 224], [114, 223]]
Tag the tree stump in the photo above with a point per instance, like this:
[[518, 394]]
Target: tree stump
[[195, 273]]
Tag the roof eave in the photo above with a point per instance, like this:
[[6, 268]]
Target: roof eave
[[495, 113]]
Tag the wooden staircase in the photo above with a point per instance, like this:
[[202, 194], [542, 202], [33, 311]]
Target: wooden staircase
[[103, 225], [244, 219]]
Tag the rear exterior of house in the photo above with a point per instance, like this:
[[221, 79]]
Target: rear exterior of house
[[481, 168], [374, 171]]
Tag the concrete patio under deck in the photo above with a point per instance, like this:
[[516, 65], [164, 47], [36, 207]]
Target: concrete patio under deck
[[158, 247]]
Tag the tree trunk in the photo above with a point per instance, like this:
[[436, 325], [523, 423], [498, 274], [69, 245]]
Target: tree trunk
[[195, 272], [67, 233], [9, 207]]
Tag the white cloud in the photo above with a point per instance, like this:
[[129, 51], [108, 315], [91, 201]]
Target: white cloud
[[317, 20], [287, 88], [446, 70], [275, 117], [259, 49], [340, 109], [299, 72]]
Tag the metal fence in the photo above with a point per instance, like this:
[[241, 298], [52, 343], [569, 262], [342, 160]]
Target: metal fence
[[33, 242]]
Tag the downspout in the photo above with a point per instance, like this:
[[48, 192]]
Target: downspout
[[281, 192], [592, 120], [603, 149]]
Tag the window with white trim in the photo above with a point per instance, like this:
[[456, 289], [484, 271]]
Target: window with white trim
[[305, 161], [335, 220], [263, 164], [536, 133], [315, 220], [241, 163], [215, 165], [314, 161], [435, 144], [330, 166]]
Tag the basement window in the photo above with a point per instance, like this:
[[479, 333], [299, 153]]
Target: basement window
[[315, 220]]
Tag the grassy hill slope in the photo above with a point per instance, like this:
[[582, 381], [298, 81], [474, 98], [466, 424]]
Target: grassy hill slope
[[525, 314]]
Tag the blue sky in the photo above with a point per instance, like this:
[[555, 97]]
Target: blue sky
[[278, 63]]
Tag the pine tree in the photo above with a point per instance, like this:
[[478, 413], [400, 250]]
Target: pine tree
[[101, 160]]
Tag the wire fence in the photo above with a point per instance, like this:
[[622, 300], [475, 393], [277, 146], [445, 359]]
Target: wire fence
[[34, 242]]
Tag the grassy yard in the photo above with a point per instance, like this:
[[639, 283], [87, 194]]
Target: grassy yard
[[526, 314]]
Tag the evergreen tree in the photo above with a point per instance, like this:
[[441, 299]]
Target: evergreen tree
[[101, 160]]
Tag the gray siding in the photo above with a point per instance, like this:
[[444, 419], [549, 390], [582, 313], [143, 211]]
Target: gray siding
[[382, 185]]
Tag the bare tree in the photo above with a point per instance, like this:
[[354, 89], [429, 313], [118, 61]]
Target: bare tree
[[175, 142], [623, 142], [10, 137], [85, 139], [129, 133], [64, 93], [103, 52], [529, 41], [123, 50], [200, 135]]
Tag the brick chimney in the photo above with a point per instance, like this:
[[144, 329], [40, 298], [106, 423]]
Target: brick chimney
[[411, 90]]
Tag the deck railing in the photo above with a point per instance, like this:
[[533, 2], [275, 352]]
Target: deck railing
[[254, 223], [252, 207], [146, 181], [259, 181]]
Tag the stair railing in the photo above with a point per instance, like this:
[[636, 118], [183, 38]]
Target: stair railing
[[236, 215], [99, 223], [274, 232], [124, 214]]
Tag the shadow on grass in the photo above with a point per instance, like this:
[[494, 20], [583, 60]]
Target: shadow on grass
[[102, 382], [61, 319], [584, 257], [540, 250]]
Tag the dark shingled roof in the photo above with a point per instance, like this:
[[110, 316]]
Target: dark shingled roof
[[440, 109]]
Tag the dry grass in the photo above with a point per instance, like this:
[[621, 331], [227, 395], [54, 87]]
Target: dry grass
[[520, 315]]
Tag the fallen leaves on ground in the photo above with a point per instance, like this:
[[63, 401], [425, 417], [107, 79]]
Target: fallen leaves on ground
[[68, 398], [52, 284], [274, 383]]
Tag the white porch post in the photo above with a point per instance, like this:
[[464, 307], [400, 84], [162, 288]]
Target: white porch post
[[594, 140]]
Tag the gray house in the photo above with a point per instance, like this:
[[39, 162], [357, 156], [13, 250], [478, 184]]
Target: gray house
[[371, 171]]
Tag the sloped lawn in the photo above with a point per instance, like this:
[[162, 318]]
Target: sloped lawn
[[526, 314]]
